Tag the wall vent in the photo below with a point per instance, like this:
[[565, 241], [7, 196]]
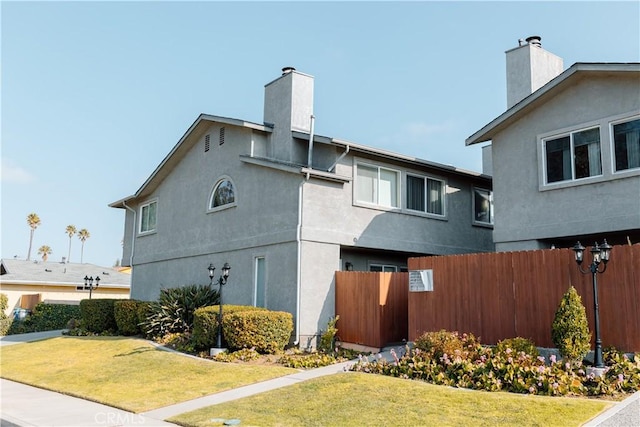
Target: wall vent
[[206, 143], [221, 136]]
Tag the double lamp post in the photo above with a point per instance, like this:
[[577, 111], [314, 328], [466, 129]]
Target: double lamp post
[[221, 282], [599, 255]]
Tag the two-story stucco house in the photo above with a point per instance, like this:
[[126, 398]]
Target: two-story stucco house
[[565, 155], [287, 208]]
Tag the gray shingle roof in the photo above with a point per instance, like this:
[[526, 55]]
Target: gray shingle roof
[[13, 271]]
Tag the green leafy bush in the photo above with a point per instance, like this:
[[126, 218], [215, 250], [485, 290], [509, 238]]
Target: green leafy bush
[[266, 331], [243, 355], [517, 345], [570, 330], [205, 322], [126, 315], [98, 315], [327, 339], [175, 308], [45, 317]]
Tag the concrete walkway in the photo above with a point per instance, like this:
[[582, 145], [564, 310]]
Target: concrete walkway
[[27, 406]]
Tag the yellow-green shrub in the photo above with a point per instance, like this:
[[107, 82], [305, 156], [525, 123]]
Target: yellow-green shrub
[[265, 331], [205, 322]]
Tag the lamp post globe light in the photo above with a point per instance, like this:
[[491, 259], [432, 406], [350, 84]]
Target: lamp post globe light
[[599, 256], [88, 283], [222, 280]]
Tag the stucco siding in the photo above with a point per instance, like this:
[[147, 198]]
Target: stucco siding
[[526, 208]]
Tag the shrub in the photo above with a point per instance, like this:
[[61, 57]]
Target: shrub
[[517, 345], [126, 315], [507, 371], [438, 344], [205, 322], [570, 330], [5, 326], [265, 331], [45, 317], [244, 355], [327, 339], [4, 304], [98, 315], [173, 313]]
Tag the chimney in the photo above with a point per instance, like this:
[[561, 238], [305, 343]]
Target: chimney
[[288, 106], [529, 67]]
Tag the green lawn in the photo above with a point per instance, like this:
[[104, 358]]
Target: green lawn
[[133, 374], [356, 399], [127, 373]]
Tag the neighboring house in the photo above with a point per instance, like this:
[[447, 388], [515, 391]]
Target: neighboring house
[[287, 208], [565, 155], [29, 282]]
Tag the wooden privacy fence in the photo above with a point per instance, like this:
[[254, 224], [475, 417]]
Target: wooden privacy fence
[[509, 294], [372, 307]]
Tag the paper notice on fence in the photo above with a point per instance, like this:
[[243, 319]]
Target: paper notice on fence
[[421, 281]]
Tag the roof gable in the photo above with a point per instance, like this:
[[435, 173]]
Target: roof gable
[[569, 77]]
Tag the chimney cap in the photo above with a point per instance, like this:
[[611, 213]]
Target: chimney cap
[[287, 70], [534, 40]]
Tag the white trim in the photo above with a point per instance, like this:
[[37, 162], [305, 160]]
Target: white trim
[[219, 181], [473, 207], [612, 145], [377, 204], [142, 206], [426, 198]]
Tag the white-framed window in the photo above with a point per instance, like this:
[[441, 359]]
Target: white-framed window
[[377, 185], [626, 144], [482, 206], [223, 195], [260, 282], [383, 268], [148, 212], [573, 156], [425, 194]]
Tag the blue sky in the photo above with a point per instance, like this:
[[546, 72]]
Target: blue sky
[[95, 94]]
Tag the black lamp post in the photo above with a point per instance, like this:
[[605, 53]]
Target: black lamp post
[[221, 281], [599, 254], [88, 284]]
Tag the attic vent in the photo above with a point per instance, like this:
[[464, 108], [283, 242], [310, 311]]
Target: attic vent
[[206, 143], [221, 136]]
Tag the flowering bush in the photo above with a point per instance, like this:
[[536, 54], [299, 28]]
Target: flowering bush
[[490, 369]]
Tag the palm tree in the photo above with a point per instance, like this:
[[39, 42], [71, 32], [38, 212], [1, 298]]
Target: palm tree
[[71, 231], [83, 235], [34, 221], [45, 251]]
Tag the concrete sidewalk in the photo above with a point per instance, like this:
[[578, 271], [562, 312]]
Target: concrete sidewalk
[[23, 405]]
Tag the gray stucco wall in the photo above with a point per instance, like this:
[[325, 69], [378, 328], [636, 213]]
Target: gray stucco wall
[[264, 220], [525, 208]]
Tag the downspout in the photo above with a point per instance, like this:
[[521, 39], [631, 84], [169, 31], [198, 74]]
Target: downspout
[[299, 260], [310, 155], [133, 232], [346, 151]]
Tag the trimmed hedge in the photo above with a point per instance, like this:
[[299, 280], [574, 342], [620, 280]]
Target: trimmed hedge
[[98, 315], [46, 317], [205, 322], [126, 314], [5, 326], [265, 331]]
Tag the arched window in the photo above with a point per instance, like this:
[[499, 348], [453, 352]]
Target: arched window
[[223, 194]]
